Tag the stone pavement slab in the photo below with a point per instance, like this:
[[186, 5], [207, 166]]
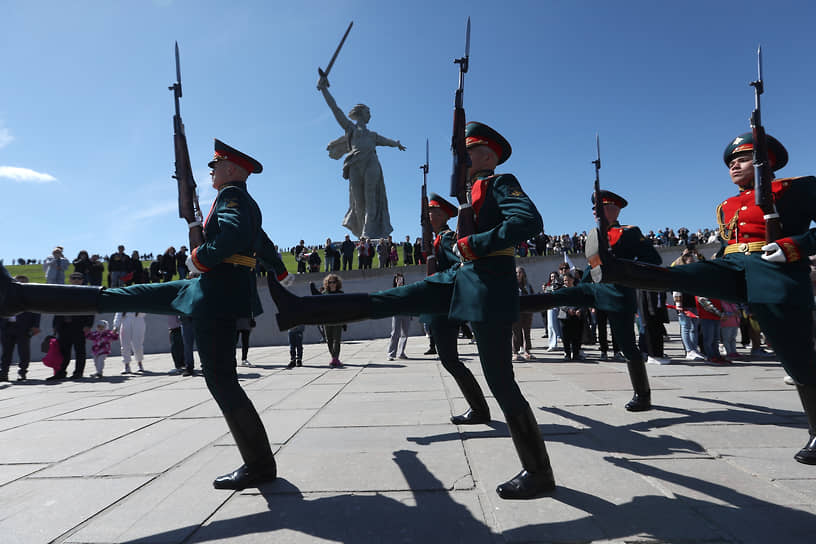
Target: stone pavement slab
[[367, 454]]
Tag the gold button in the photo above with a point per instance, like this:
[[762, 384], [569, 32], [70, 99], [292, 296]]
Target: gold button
[[742, 223], [743, 247], [744, 208]]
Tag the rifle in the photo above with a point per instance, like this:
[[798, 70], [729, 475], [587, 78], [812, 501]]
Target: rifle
[[425, 221], [600, 214], [466, 224], [763, 175], [189, 210]]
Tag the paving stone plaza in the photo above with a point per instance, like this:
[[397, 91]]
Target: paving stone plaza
[[366, 454]]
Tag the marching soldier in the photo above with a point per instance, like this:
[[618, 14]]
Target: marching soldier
[[482, 290], [771, 275], [619, 303], [224, 291], [445, 331]]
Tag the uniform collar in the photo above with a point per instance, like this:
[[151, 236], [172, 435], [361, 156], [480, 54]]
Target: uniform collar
[[481, 174], [239, 184]]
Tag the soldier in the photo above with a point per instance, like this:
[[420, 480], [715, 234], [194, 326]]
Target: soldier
[[771, 275], [619, 303], [482, 290], [225, 290], [444, 331]]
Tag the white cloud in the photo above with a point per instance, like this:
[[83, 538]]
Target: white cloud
[[5, 137], [24, 175]]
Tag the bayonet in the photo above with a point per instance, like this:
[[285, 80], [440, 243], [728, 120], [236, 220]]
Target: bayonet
[[325, 74]]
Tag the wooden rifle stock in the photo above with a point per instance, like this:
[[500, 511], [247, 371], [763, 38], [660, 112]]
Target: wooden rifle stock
[[189, 209]]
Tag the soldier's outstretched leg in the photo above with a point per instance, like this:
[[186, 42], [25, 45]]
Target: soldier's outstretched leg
[[807, 393], [417, 298], [445, 332], [45, 298]]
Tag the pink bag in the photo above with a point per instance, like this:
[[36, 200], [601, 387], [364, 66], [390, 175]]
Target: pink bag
[[53, 359]]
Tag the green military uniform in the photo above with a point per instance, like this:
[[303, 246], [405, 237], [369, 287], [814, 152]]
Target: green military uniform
[[779, 294], [619, 302], [444, 331], [482, 290], [225, 291]]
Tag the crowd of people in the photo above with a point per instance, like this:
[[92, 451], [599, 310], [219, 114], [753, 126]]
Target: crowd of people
[[334, 256]]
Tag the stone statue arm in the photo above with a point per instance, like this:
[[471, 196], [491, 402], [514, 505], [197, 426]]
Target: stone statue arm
[[323, 87], [383, 141]]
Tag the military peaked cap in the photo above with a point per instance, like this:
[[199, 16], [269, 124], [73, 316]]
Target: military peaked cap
[[777, 154], [481, 134], [436, 201], [223, 152], [608, 197]]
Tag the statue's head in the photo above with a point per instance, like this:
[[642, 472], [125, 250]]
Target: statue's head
[[360, 112]]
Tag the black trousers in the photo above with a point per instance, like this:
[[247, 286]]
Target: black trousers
[[602, 319], [71, 336], [23, 344]]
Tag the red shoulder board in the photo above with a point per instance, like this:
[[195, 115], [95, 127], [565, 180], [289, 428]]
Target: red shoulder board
[[780, 186], [478, 192], [437, 242]]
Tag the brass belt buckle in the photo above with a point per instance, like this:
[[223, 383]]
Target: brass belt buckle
[[744, 248]]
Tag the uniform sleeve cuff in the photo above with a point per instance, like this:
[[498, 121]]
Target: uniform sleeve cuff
[[790, 249], [197, 263], [465, 250], [283, 275]]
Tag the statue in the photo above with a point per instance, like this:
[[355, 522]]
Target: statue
[[368, 204]]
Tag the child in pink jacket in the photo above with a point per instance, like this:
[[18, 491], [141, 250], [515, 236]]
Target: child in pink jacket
[[101, 338]]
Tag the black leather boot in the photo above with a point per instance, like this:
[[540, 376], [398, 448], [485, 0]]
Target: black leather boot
[[46, 299], [536, 478], [478, 412], [605, 268], [317, 310], [807, 393], [642, 400], [250, 436]]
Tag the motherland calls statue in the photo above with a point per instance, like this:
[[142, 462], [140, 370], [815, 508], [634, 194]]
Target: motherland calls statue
[[368, 204]]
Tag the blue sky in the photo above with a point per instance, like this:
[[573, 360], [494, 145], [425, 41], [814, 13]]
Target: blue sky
[[86, 118]]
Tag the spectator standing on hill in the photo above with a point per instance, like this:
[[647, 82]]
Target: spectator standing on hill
[[82, 264], [155, 270], [298, 251], [407, 251], [96, 270], [313, 260], [118, 267], [382, 252], [55, 267], [136, 269], [393, 255], [168, 264], [181, 262], [347, 251], [17, 331], [419, 258], [364, 254], [331, 255]]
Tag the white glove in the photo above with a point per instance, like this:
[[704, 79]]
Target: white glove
[[191, 265], [775, 255], [456, 251]]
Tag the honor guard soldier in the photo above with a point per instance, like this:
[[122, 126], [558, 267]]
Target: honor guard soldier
[[620, 304], [481, 288], [772, 276], [444, 331], [224, 291]]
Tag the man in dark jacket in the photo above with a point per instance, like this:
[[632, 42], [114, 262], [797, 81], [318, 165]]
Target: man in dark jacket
[[17, 331]]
